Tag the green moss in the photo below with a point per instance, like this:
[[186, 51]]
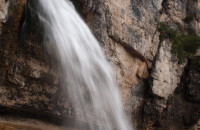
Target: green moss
[[185, 46], [189, 18]]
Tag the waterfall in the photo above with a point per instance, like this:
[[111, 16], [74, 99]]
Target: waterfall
[[89, 80]]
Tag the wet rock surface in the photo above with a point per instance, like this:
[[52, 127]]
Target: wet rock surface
[[133, 26], [157, 91], [29, 82]]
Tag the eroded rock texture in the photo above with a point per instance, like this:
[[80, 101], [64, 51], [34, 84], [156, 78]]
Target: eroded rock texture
[[157, 91], [131, 27], [29, 81]]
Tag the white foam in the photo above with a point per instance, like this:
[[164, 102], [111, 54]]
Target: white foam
[[89, 80]]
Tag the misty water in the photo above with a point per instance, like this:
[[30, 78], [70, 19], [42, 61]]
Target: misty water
[[89, 79]]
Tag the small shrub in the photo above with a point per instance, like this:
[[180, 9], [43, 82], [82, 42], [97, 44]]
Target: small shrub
[[166, 32], [189, 18], [185, 46]]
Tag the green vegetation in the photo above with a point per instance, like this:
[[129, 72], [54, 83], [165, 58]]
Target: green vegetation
[[185, 46], [189, 18], [166, 32]]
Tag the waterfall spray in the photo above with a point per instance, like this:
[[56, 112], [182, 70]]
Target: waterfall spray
[[89, 80]]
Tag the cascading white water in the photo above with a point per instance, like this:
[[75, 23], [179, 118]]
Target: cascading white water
[[89, 80]]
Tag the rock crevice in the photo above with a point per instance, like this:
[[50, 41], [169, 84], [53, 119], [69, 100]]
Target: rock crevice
[[157, 91]]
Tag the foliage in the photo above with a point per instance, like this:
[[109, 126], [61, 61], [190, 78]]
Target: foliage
[[189, 18], [166, 32], [185, 46]]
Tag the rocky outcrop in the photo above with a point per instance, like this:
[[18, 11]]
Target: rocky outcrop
[[133, 26], [113, 25], [166, 72], [157, 91], [3, 12], [29, 82], [192, 89], [196, 126], [125, 22], [169, 103]]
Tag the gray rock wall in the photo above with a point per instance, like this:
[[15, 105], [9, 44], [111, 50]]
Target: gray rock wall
[[29, 81], [160, 101], [157, 91]]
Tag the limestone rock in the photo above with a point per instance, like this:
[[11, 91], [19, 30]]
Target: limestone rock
[[166, 74], [115, 26], [193, 85], [134, 23], [29, 82], [156, 90], [196, 126], [172, 90], [3, 12]]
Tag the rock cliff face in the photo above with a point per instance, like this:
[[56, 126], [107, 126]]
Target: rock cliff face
[[157, 90], [159, 97]]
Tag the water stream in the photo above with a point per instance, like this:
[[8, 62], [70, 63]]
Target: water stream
[[89, 79]]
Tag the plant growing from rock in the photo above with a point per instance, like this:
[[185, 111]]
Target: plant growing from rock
[[189, 18], [185, 46]]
